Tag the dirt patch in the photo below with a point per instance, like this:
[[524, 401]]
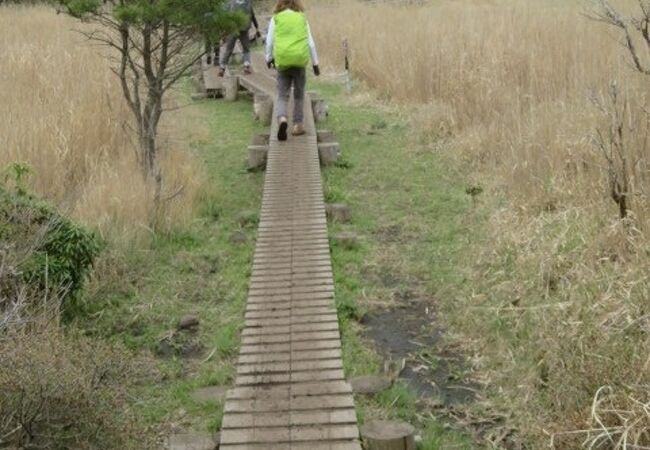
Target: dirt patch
[[409, 332]]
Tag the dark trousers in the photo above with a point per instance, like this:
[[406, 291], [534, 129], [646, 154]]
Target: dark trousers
[[230, 47]]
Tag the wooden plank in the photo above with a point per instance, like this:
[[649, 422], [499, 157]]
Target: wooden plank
[[290, 390]]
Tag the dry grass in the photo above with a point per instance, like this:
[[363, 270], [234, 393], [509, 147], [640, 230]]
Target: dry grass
[[64, 115], [556, 312]]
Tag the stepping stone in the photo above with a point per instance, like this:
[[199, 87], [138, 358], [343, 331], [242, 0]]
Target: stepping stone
[[338, 212], [346, 240], [188, 322], [248, 218], [369, 385], [211, 394], [238, 237], [194, 441]]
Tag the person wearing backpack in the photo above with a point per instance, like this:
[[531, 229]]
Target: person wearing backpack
[[289, 48], [246, 7]]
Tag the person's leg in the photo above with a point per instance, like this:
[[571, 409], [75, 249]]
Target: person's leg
[[284, 92], [244, 38], [217, 51], [299, 82], [208, 50], [230, 47]]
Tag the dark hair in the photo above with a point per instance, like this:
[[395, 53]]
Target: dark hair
[[295, 5]]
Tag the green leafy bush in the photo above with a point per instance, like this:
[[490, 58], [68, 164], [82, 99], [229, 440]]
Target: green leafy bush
[[51, 252]]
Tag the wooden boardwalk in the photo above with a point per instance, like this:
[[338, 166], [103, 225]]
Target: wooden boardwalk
[[290, 390]]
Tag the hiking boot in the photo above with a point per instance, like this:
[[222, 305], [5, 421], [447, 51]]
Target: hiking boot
[[282, 130], [247, 70], [298, 130], [222, 72]]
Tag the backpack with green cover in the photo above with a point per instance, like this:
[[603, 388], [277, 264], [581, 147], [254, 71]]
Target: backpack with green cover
[[291, 40]]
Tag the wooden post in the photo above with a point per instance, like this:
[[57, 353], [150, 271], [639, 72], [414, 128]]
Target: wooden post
[[324, 136], [329, 153], [261, 139], [263, 106], [318, 106], [348, 79], [230, 88], [388, 435], [257, 155]]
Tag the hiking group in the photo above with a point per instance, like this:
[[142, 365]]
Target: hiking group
[[289, 49]]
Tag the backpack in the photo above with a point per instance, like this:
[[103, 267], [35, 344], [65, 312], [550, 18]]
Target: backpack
[[291, 40]]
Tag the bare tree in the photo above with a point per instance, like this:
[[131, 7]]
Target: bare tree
[[614, 142], [614, 146], [636, 30], [153, 44]]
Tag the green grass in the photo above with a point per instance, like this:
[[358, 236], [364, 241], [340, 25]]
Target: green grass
[[406, 206], [410, 209], [194, 270]]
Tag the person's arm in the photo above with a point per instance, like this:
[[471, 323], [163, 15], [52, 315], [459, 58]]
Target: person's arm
[[269, 41], [313, 52]]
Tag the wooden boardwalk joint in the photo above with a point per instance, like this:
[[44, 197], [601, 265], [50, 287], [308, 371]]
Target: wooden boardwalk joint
[[290, 391]]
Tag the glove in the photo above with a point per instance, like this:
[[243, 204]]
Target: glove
[[317, 70], [271, 64]]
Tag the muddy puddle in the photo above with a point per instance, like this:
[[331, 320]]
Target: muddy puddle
[[409, 332]]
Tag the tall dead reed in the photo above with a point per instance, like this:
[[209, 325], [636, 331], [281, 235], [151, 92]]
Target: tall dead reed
[[556, 311], [64, 116]]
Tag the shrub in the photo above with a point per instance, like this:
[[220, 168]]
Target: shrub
[[50, 251], [59, 392]]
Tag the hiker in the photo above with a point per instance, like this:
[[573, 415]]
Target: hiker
[[289, 47], [245, 6]]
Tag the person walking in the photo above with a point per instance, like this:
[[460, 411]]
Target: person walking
[[289, 48], [246, 7]]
